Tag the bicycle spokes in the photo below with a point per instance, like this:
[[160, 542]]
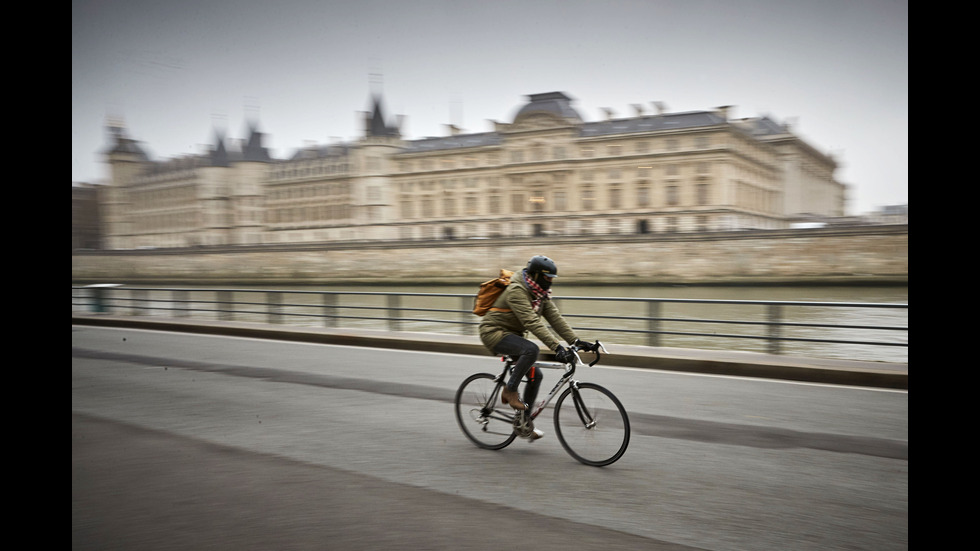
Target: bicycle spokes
[[477, 413], [593, 428]]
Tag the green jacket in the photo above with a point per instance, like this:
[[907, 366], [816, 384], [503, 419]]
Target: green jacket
[[522, 317]]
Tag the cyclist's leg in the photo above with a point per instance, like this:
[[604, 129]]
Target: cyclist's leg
[[534, 378], [526, 353]]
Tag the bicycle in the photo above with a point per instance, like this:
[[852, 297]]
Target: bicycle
[[592, 426]]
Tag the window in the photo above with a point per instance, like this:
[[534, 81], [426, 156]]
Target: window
[[642, 195], [588, 199], [517, 201], [537, 203], [615, 197], [561, 201], [537, 153], [703, 191]]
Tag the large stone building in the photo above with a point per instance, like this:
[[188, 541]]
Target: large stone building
[[547, 172]]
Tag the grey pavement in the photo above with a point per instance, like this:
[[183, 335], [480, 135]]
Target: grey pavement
[[134, 488]]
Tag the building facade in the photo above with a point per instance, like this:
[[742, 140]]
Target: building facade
[[547, 172]]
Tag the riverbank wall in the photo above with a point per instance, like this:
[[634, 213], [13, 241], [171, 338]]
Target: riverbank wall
[[874, 255]]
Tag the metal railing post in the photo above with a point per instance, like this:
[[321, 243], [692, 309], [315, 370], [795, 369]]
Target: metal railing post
[[330, 310], [775, 315], [139, 302], [180, 303], [272, 303], [224, 305], [653, 322], [464, 312], [394, 312], [99, 304]]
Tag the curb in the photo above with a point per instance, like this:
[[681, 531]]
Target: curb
[[731, 363]]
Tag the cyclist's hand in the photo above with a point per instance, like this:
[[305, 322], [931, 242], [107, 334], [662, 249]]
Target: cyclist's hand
[[587, 346], [562, 354]]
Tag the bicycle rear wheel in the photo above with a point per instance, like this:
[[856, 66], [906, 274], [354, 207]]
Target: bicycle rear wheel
[[486, 422], [592, 424]]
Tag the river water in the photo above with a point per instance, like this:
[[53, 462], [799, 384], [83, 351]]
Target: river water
[[831, 314]]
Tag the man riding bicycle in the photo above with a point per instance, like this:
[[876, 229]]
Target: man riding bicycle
[[521, 307]]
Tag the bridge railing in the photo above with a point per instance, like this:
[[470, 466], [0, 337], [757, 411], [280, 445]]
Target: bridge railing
[[876, 331]]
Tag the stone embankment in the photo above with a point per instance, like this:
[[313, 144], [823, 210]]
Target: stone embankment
[[854, 255]]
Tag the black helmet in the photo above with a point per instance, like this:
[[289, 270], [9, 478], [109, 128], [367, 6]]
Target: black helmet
[[542, 265]]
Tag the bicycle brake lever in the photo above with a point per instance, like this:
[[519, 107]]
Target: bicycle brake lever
[[599, 348]]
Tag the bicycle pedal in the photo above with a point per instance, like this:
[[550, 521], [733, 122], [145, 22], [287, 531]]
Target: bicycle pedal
[[523, 426]]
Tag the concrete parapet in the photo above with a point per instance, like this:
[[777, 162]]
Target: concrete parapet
[[731, 363]]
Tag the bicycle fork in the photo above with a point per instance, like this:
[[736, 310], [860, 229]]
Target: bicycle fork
[[588, 420]]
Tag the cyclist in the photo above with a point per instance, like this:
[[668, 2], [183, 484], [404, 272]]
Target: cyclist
[[520, 308]]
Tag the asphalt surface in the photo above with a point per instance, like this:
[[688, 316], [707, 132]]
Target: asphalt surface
[[134, 488]]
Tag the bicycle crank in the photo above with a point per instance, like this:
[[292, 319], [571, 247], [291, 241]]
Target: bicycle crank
[[523, 426]]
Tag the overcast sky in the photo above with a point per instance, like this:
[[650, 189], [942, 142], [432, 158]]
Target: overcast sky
[[176, 71]]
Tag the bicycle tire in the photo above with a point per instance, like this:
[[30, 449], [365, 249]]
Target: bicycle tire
[[592, 426], [486, 422]]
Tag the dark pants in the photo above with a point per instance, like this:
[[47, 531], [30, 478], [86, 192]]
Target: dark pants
[[526, 353]]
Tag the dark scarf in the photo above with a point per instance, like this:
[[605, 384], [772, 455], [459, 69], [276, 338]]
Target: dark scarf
[[537, 293]]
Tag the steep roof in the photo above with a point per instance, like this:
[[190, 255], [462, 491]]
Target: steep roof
[[556, 103], [377, 127], [122, 143], [254, 150], [651, 123]]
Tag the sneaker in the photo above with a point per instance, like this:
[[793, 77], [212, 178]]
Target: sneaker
[[535, 434], [512, 397]]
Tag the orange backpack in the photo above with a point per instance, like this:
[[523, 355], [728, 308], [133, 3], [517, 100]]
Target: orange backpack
[[490, 291]]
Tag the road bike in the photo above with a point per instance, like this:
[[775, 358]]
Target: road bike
[[590, 422]]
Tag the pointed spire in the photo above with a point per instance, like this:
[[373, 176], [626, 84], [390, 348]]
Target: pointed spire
[[376, 125], [121, 143], [254, 150], [219, 155]]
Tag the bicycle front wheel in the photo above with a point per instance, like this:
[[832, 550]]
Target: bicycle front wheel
[[591, 424], [486, 422]]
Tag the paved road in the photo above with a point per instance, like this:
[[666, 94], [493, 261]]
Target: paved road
[[190, 442]]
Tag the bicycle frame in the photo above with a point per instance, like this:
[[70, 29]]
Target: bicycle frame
[[566, 378]]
